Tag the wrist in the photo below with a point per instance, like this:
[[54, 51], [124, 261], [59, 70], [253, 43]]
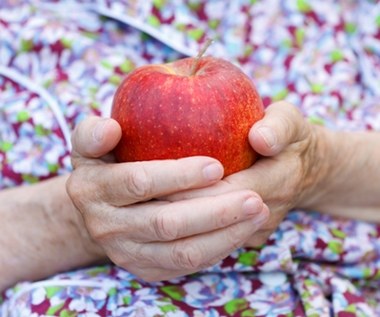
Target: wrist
[[349, 183], [319, 160], [64, 215], [342, 165], [42, 233]]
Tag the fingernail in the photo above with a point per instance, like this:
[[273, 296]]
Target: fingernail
[[98, 132], [252, 206], [261, 218], [213, 172], [268, 136]]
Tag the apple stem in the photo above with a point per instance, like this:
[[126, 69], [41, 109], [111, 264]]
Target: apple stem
[[199, 56]]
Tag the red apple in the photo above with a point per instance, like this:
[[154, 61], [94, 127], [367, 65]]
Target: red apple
[[193, 106]]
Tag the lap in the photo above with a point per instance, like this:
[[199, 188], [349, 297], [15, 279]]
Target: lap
[[311, 264]]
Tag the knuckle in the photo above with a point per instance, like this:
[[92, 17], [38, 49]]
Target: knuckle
[[77, 137], [287, 125], [235, 237], [139, 183], [187, 256], [295, 122], [222, 218], [122, 254], [183, 180], [81, 188], [164, 226], [97, 229], [71, 186], [103, 229], [259, 238], [74, 188], [120, 260], [137, 265]]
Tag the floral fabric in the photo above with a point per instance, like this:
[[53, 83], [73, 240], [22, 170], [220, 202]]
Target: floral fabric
[[62, 60]]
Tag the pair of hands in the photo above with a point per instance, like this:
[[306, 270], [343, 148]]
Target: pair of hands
[[163, 219]]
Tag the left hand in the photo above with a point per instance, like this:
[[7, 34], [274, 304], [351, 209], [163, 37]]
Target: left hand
[[155, 240], [285, 175]]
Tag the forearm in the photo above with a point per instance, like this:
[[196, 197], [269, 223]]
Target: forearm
[[41, 233], [348, 183]]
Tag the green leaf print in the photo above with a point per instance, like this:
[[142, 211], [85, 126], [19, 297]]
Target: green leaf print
[[281, 94], [154, 21], [300, 36], [159, 4], [196, 34], [52, 310], [97, 270], [350, 28], [127, 300], [22, 116], [115, 79], [174, 292], [377, 20], [236, 305], [67, 313], [106, 64], [40, 130], [67, 43], [248, 258], [316, 120], [53, 168], [303, 6], [213, 23], [351, 308], [168, 308], [249, 313], [335, 246], [336, 55], [112, 291], [126, 66], [26, 45], [30, 179], [52, 290], [136, 285], [317, 88], [6, 146], [338, 233]]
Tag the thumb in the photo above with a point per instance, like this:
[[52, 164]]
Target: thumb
[[95, 137], [282, 125]]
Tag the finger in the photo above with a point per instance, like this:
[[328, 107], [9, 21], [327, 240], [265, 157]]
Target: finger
[[282, 125], [127, 183], [198, 252], [258, 239], [260, 178], [163, 221], [219, 188], [94, 137]]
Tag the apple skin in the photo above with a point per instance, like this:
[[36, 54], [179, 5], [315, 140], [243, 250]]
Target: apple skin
[[167, 112]]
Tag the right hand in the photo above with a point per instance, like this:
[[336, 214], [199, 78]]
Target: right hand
[[156, 240]]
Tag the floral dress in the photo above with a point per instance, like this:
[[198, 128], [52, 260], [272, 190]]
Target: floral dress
[[62, 60]]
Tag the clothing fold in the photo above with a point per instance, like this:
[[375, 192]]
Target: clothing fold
[[322, 56]]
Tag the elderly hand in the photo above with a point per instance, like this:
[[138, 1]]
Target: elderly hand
[[286, 175], [154, 239]]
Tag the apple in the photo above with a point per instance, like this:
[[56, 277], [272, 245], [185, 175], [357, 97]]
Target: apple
[[192, 106]]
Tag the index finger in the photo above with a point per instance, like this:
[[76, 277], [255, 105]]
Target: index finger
[[127, 183]]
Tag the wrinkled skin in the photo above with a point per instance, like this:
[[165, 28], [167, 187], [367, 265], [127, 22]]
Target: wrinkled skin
[[287, 175], [163, 219]]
